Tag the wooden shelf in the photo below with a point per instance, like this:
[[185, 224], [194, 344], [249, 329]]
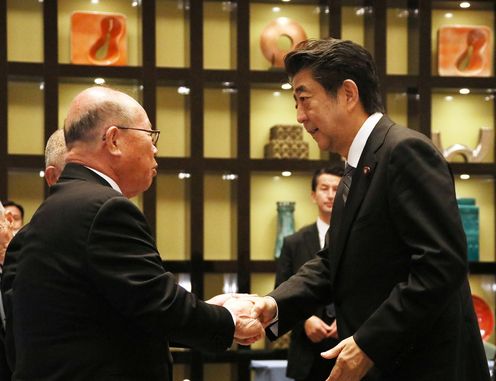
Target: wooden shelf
[[417, 81]]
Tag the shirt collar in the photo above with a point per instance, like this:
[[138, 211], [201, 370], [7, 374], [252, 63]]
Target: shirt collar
[[112, 183], [322, 227], [361, 137]]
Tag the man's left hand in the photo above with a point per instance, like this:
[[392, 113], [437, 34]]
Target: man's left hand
[[352, 364]]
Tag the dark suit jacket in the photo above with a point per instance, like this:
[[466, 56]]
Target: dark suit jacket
[[87, 297], [5, 372], [396, 267], [297, 249]]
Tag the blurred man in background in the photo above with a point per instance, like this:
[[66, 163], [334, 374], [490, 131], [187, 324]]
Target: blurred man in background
[[318, 333]]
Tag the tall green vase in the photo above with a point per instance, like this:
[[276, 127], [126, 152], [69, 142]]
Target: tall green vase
[[285, 223]]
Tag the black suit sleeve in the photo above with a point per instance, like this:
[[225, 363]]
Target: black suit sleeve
[[303, 293], [8, 278], [123, 263]]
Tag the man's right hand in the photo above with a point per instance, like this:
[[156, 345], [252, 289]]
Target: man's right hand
[[317, 330], [264, 309], [247, 329]]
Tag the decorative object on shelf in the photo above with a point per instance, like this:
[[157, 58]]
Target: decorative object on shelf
[[465, 50], [285, 223], [272, 35], [230, 283], [485, 316], [476, 155], [286, 142], [469, 213], [98, 38]]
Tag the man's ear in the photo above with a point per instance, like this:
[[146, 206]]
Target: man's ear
[[111, 140], [351, 93], [52, 174]]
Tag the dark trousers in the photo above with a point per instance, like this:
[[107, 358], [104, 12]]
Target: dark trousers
[[321, 367]]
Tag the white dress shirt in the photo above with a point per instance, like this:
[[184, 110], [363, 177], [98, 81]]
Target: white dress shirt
[[361, 137], [322, 227], [112, 183]]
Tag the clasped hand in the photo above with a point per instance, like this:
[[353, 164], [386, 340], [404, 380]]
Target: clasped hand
[[249, 312], [255, 313]]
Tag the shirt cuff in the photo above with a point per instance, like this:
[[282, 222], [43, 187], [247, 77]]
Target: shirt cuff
[[274, 323]]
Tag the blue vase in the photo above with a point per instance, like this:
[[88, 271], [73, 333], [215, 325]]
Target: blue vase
[[469, 213], [285, 223]]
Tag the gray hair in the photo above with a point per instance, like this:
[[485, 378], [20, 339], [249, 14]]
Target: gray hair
[[55, 150]]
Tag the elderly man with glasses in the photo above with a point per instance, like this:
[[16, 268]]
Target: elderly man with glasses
[[91, 299]]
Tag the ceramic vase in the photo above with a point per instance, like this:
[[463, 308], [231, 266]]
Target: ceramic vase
[[285, 223]]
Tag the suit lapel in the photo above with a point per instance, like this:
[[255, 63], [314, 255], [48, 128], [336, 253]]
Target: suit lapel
[[344, 215]]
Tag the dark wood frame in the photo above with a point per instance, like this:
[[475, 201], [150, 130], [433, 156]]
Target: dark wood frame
[[418, 84]]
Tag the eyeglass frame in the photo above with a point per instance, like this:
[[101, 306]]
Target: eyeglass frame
[[154, 134]]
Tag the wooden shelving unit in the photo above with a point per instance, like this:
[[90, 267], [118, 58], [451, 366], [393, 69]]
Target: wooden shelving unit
[[416, 83]]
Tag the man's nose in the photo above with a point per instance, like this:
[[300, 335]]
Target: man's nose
[[301, 116]]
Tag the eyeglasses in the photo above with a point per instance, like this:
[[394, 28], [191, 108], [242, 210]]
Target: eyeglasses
[[154, 134]]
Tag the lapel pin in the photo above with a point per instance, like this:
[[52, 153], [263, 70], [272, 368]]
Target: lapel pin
[[366, 170]]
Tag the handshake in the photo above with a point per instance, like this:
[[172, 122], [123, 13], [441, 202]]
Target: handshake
[[252, 314]]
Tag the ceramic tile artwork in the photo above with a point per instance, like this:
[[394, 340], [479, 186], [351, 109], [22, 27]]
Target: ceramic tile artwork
[[98, 38], [464, 51]]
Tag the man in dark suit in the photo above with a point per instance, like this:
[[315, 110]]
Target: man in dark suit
[[86, 296], [55, 152], [396, 267], [319, 332]]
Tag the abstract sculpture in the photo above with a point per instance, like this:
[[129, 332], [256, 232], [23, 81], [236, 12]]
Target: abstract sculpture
[[486, 142], [282, 27]]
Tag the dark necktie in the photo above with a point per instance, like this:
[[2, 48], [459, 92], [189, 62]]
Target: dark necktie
[[348, 173]]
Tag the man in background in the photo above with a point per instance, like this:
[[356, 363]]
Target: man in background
[[319, 332], [91, 299], [17, 212], [55, 155]]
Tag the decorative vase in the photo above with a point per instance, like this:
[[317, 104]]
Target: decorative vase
[[285, 223], [469, 213]]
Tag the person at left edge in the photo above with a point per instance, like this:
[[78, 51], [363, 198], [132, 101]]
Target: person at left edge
[[17, 212], [55, 153], [90, 299], [6, 234]]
